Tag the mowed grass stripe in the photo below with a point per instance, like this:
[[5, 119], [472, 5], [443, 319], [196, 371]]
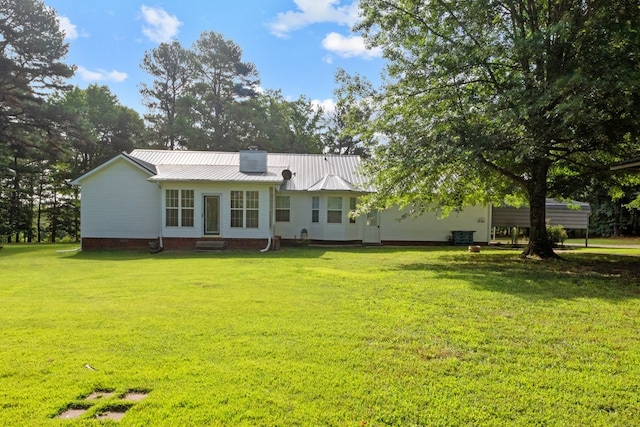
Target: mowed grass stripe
[[311, 336]]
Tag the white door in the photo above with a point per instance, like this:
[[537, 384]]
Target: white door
[[372, 228]]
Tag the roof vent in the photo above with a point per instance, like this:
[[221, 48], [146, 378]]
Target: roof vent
[[286, 174], [253, 161]]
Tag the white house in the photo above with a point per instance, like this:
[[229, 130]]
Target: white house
[[250, 199]]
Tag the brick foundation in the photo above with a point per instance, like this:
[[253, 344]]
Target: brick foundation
[[93, 244], [172, 243]]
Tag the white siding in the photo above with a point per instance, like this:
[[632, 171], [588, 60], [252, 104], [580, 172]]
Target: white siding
[[223, 190], [119, 202], [301, 218], [429, 228]]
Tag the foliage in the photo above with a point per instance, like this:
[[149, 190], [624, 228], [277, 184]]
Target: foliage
[[490, 98], [300, 337], [557, 234], [173, 68], [31, 49], [283, 126], [343, 135], [98, 127], [207, 98]]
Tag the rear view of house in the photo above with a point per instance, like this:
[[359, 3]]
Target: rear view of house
[[249, 199]]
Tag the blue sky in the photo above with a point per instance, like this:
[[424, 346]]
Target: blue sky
[[296, 45]]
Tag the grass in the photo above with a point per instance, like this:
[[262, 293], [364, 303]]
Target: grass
[[618, 241], [579, 241], [312, 337]]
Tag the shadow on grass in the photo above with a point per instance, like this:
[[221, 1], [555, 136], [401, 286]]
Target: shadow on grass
[[611, 277], [13, 249], [124, 255]]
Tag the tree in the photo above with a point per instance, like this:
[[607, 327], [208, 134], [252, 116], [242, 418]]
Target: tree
[[173, 68], [98, 127], [340, 137], [31, 49], [284, 126], [486, 98], [224, 82]]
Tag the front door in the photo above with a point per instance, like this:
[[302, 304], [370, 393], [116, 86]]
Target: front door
[[372, 228], [212, 215]]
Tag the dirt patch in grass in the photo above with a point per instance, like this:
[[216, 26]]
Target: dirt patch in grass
[[72, 413], [111, 415], [135, 396], [100, 394], [113, 412]]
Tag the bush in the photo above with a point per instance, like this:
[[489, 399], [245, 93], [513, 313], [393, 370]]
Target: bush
[[557, 234]]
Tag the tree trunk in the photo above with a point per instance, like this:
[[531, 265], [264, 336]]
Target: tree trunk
[[539, 243]]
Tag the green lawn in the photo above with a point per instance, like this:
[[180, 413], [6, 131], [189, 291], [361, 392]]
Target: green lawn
[[313, 337], [618, 241]]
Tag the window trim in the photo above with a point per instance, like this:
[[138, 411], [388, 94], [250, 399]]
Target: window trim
[[352, 208], [244, 209], [315, 209], [283, 213], [178, 208], [331, 210]]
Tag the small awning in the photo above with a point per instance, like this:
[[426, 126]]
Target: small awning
[[332, 183]]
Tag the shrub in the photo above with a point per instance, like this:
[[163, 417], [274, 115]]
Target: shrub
[[557, 234]]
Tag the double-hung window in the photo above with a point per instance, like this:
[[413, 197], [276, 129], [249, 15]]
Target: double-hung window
[[334, 210], [283, 208], [352, 208], [245, 209], [179, 208], [315, 209], [253, 211]]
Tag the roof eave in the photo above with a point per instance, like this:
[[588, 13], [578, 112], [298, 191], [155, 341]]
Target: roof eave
[[76, 182]]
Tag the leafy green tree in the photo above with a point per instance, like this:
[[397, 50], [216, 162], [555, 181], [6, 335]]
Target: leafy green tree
[[31, 49], [98, 127], [174, 71], [485, 98], [340, 137], [284, 126], [614, 204], [224, 81]]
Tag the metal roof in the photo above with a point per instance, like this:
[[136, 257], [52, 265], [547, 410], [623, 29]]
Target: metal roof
[[214, 173], [557, 213], [332, 183], [309, 172]]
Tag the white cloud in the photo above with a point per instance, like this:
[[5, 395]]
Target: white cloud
[[101, 75], [70, 30], [349, 46], [311, 12], [160, 26], [327, 105]]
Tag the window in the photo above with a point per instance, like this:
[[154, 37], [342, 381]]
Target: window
[[179, 208], [252, 209], [315, 209], [187, 208], [237, 209], [334, 210], [352, 208], [172, 207], [283, 208], [245, 209]]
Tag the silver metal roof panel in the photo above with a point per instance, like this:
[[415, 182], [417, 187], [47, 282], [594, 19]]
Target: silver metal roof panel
[[307, 170]]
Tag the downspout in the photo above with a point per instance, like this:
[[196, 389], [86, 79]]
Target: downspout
[[272, 216], [160, 242], [268, 245]]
